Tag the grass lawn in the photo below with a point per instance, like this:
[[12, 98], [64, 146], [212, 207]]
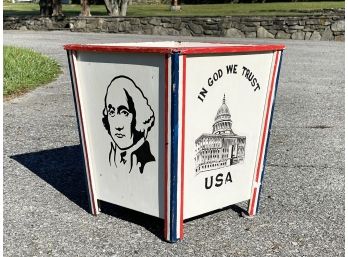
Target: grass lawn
[[25, 69], [290, 8]]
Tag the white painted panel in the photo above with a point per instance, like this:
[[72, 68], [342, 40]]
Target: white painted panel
[[128, 163], [216, 156]]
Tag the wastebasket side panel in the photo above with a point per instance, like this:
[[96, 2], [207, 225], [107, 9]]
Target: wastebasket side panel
[[123, 109], [254, 202], [225, 99], [89, 179]]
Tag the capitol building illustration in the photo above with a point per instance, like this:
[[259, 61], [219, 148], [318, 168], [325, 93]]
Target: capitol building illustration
[[221, 148]]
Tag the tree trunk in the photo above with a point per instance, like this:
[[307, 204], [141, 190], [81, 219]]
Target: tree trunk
[[111, 8], [85, 9], [57, 8], [124, 6], [175, 6], [114, 11], [46, 8], [116, 7]]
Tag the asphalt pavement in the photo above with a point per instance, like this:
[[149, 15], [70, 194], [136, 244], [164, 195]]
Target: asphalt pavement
[[302, 203]]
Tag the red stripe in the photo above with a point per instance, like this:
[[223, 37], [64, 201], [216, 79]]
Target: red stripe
[[264, 133], [231, 49], [84, 141], [251, 209], [166, 145], [109, 48], [183, 147], [218, 48]]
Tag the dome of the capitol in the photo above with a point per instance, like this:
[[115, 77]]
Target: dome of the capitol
[[223, 112], [223, 122]]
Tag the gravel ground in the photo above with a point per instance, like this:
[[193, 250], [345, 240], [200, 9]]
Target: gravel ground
[[302, 205]]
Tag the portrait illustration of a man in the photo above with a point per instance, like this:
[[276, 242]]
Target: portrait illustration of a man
[[128, 118]]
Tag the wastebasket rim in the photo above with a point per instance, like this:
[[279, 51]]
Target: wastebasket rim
[[218, 48]]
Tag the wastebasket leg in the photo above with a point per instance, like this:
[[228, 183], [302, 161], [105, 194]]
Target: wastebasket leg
[[173, 222], [254, 202], [98, 207]]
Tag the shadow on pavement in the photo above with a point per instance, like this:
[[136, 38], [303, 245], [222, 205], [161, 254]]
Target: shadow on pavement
[[150, 223], [63, 168], [240, 211]]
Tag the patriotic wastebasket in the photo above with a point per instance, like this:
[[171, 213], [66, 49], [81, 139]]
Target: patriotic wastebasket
[[174, 129]]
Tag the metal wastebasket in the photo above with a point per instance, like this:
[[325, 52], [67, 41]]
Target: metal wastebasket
[[174, 129]]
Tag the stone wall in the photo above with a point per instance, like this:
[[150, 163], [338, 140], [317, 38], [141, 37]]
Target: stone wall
[[326, 26]]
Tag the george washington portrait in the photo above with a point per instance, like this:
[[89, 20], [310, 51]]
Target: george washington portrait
[[128, 119]]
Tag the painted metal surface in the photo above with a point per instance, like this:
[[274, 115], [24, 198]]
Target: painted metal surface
[[255, 199], [174, 178], [226, 106], [174, 129], [180, 47], [82, 131], [123, 158]]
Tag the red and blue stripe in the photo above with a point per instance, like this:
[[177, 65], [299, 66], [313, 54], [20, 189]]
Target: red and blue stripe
[[175, 130], [254, 202]]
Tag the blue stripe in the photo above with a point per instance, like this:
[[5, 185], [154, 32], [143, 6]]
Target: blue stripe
[[268, 135], [78, 128], [174, 147]]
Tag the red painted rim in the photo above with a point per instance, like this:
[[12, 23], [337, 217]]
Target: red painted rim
[[219, 48]]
